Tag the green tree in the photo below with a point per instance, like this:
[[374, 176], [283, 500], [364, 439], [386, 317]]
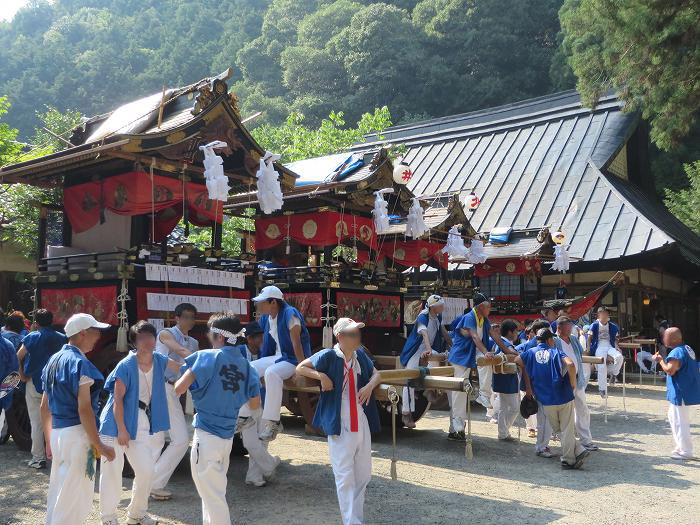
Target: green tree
[[646, 50], [685, 203]]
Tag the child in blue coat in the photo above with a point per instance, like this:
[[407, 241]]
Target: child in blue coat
[[137, 410], [347, 413]]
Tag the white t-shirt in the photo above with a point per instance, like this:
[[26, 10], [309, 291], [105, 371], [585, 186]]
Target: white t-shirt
[[432, 328], [569, 351], [145, 390], [293, 321]]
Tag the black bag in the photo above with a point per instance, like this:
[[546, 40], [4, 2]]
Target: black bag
[[528, 407]]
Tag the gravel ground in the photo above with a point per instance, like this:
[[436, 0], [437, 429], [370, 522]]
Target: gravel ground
[[505, 483]]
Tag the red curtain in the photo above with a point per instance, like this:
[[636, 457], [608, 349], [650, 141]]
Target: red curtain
[[309, 305], [414, 253], [133, 193], [98, 301], [510, 266], [320, 228], [373, 310]]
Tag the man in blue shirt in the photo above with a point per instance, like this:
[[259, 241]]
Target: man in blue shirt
[[37, 347], [72, 386], [285, 344], [471, 338], [221, 381], [551, 376], [347, 413], [426, 338], [175, 343], [682, 389], [14, 326], [601, 343], [8, 364], [135, 413]]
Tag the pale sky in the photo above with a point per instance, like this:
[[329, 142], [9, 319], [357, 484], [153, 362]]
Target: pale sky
[[8, 8]]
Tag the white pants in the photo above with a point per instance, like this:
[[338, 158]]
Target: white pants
[[642, 356], [509, 408], [70, 489], [582, 417], [408, 400], [486, 389], [351, 459], [167, 462], [33, 399], [274, 374], [604, 350], [459, 402], [260, 461], [140, 456], [562, 421], [679, 418], [544, 429], [209, 459]]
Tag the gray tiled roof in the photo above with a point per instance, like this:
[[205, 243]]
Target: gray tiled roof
[[539, 164]]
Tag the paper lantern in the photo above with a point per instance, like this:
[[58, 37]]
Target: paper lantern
[[558, 237], [402, 173], [472, 201]]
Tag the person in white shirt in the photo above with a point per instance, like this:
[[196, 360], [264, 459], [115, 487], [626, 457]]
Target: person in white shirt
[[601, 343], [176, 344]]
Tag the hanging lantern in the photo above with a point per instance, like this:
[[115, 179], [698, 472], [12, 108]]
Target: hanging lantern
[[402, 173], [558, 237], [472, 201]]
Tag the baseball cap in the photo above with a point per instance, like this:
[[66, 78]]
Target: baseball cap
[[434, 300], [269, 292], [253, 328], [79, 322], [345, 324]]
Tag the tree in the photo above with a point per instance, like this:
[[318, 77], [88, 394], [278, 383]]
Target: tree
[[646, 50], [685, 203]]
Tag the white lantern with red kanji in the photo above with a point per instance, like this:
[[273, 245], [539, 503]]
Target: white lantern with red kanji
[[472, 201], [402, 173]]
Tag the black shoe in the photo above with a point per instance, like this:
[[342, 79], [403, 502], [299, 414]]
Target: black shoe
[[457, 436], [575, 466], [582, 455]]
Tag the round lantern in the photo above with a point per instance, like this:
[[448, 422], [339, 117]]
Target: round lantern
[[472, 201], [402, 173], [558, 237]]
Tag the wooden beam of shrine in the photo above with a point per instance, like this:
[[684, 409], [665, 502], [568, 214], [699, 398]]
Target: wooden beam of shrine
[[170, 166], [593, 360], [434, 383], [490, 361], [414, 373]]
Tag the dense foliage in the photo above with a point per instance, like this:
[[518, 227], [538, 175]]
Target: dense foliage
[[685, 203]]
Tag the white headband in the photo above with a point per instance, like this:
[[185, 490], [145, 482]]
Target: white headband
[[230, 338]]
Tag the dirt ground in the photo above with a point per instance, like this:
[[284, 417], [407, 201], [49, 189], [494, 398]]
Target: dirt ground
[[630, 480]]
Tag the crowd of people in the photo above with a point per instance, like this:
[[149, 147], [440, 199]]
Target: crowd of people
[[236, 385]]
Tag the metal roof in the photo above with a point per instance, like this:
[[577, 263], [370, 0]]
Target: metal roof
[[541, 163]]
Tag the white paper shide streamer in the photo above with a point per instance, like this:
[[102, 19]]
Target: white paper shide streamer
[[217, 182], [455, 244], [269, 190], [415, 224], [381, 211], [476, 252], [561, 258]]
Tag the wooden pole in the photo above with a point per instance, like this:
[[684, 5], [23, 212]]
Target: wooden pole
[[414, 373]]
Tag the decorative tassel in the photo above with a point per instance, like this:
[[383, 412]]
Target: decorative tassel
[[455, 244], [561, 258], [381, 211], [327, 340], [476, 252], [122, 332], [269, 191], [415, 224], [217, 181]]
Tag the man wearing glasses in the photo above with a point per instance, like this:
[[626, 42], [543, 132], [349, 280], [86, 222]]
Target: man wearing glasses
[[175, 343]]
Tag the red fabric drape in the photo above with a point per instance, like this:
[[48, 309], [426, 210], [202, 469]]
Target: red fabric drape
[[510, 266], [132, 194], [99, 301], [320, 228], [414, 253]]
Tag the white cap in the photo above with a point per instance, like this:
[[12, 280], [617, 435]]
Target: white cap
[[269, 292], [79, 322], [345, 324]]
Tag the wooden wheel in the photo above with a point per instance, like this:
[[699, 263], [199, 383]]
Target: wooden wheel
[[304, 404]]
